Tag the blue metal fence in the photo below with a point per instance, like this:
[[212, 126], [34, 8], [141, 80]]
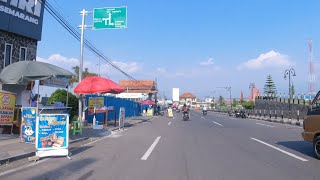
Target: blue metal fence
[[131, 108]]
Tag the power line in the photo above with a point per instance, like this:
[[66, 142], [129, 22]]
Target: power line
[[76, 34]]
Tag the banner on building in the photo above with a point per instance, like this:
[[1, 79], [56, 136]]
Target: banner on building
[[52, 135], [28, 124], [7, 105]]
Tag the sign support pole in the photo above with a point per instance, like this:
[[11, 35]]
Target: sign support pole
[[83, 14]]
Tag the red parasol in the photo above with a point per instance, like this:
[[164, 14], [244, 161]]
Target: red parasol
[[147, 102], [96, 84]]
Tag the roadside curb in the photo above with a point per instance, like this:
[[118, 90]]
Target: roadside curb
[[32, 152], [280, 121]]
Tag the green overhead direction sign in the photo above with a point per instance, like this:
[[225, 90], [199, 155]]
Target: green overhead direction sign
[[110, 18]]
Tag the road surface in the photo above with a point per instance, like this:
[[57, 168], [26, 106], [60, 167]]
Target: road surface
[[211, 147]]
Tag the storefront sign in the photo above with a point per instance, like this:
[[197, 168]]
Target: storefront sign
[[93, 102], [7, 105], [55, 82], [22, 17], [52, 134], [28, 125]]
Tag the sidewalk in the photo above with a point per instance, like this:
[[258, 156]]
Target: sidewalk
[[12, 149]]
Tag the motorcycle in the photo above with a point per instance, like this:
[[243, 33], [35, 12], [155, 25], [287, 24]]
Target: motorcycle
[[238, 114], [159, 113], [204, 112], [185, 116], [243, 115]]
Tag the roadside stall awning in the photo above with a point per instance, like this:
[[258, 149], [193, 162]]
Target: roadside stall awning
[[147, 102], [96, 84], [23, 71]]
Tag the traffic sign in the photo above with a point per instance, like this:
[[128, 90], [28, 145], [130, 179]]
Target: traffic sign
[[110, 18]]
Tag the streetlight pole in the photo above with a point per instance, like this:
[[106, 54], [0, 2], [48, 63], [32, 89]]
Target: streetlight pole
[[287, 73]]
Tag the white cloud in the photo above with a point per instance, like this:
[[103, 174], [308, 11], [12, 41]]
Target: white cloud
[[129, 67], [61, 61], [207, 63], [68, 63], [271, 59], [161, 70]]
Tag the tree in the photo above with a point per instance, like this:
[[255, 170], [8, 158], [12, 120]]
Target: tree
[[221, 101], [60, 95], [270, 87], [85, 74], [293, 91], [234, 103], [248, 104]]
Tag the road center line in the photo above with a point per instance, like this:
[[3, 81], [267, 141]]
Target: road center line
[[217, 123], [149, 151], [264, 125], [169, 123], [283, 151], [203, 118]]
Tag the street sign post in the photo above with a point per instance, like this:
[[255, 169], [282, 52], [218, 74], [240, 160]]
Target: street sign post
[[110, 18]]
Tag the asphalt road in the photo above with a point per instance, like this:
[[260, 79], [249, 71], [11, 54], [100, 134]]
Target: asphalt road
[[206, 148]]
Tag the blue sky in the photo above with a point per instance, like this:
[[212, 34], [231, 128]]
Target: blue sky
[[195, 45]]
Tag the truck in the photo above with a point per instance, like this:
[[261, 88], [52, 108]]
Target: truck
[[311, 125]]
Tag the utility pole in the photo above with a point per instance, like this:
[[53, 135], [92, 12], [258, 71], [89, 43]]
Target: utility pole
[[83, 13]]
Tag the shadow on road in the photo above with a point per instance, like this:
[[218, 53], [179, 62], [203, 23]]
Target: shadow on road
[[76, 151], [303, 147], [63, 171]]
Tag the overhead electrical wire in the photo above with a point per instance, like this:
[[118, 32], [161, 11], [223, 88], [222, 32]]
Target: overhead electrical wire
[[76, 34]]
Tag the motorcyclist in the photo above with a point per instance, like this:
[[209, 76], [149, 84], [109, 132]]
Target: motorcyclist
[[185, 110], [204, 109]]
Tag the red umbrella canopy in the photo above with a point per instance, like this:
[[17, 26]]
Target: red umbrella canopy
[[96, 84], [147, 102]]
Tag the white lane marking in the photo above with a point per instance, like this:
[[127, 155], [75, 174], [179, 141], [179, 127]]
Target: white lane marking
[[217, 123], [203, 118], [169, 123], [264, 125], [149, 151], [283, 151]]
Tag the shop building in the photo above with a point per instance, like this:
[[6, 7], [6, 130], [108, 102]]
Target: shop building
[[138, 90], [20, 31], [188, 99]]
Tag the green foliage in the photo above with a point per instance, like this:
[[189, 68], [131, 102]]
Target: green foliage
[[248, 104], [85, 74], [234, 103], [221, 101], [293, 91], [60, 95], [270, 87]]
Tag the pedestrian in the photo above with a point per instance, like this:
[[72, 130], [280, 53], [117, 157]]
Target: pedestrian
[[35, 100]]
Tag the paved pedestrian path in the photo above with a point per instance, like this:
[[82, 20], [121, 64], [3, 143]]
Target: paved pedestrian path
[[11, 147]]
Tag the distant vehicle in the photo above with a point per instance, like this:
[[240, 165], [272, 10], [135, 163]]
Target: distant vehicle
[[311, 125]]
